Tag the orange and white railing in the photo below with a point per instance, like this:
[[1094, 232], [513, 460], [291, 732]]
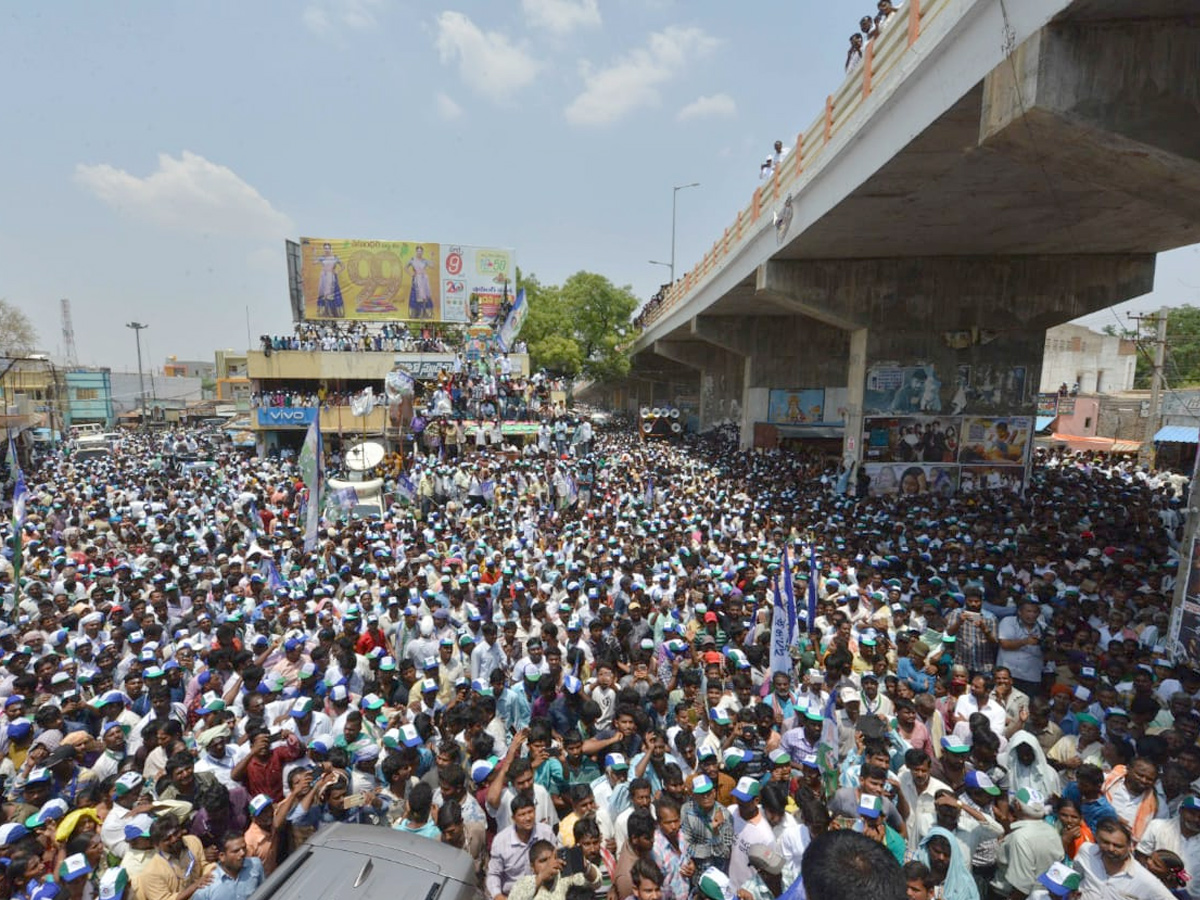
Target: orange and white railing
[[880, 58]]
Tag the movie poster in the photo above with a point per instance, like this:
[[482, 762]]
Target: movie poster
[[911, 480], [911, 439], [998, 441]]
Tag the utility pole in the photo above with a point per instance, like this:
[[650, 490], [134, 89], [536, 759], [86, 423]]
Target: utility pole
[[137, 332], [1154, 419]]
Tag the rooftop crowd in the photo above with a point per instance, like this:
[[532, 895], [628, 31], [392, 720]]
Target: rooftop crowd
[[356, 337], [576, 658]]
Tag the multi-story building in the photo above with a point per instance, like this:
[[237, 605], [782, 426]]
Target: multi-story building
[[89, 398], [1086, 361], [293, 388], [33, 391], [232, 380], [188, 368]]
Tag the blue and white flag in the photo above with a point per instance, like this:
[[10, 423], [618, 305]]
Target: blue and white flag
[[487, 489], [789, 595], [271, 573], [649, 499], [781, 658], [312, 467], [406, 489], [507, 336], [19, 498]]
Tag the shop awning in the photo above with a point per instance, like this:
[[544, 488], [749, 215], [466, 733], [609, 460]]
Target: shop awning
[[1177, 434], [1043, 422], [1102, 444]]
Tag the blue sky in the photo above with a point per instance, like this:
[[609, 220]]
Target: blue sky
[[157, 154]]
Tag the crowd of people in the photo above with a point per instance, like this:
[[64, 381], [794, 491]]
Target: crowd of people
[[386, 337], [869, 28], [488, 387], [565, 670]]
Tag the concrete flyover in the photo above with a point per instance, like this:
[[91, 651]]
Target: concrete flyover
[[994, 167]]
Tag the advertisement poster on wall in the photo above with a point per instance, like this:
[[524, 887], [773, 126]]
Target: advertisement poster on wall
[[1047, 405], [837, 405], [911, 439], [928, 388], [903, 390], [990, 388], [911, 480], [977, 479], [800, 407], [998, 441], [1185, 620]]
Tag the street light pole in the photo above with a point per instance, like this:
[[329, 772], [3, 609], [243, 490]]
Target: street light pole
[[674, 207], [137, 332]]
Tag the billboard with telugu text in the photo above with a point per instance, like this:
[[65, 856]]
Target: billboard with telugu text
[[405, 280]]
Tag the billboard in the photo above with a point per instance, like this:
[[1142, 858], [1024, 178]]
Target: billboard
[[802, 407], [911, 480], [998, 441], [286, 416], [404, 280], [911, 439], [478, 284]]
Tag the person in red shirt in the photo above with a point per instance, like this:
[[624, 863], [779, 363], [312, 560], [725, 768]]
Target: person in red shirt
[[371, 638], [261, 770]]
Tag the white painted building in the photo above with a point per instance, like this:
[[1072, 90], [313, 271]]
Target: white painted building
[[1097, 362]]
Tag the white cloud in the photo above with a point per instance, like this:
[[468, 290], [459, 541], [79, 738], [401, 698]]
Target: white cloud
[[189, 193], [488, 62], [633, 82], [714, 106], [447, 108], [562, 16], [324, 17]]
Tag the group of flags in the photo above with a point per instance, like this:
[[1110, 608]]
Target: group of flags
[[785, 631]]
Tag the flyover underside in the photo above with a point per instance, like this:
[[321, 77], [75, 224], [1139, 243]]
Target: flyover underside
[[1041, 195], [1086, 140]]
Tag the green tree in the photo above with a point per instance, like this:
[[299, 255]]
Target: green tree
[[577, 328], [600, 311], [18, 337], [1182, 367]]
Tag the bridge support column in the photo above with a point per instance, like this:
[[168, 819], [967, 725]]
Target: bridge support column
[[1115, 104], [956, 340], [722, 378], [777, 352]]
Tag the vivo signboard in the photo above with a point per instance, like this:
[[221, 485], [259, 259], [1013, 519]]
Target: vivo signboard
[[287, 416]]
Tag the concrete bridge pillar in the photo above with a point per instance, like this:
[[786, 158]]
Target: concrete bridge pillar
[[945, 338], [1115, 104]]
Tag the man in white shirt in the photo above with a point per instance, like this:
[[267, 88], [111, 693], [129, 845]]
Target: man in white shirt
[[1181, 836], [979, 700], [780, 153], [1109, 870], [919, 789]]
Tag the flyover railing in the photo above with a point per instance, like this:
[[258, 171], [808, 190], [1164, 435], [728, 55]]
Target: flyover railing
[[881, 56]]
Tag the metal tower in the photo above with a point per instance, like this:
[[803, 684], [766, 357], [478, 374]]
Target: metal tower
[[68, 335]]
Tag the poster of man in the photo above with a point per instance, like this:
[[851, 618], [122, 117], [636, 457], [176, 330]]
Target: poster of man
[[996, 441], [911, 481], [911, 439], [903, 390]]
